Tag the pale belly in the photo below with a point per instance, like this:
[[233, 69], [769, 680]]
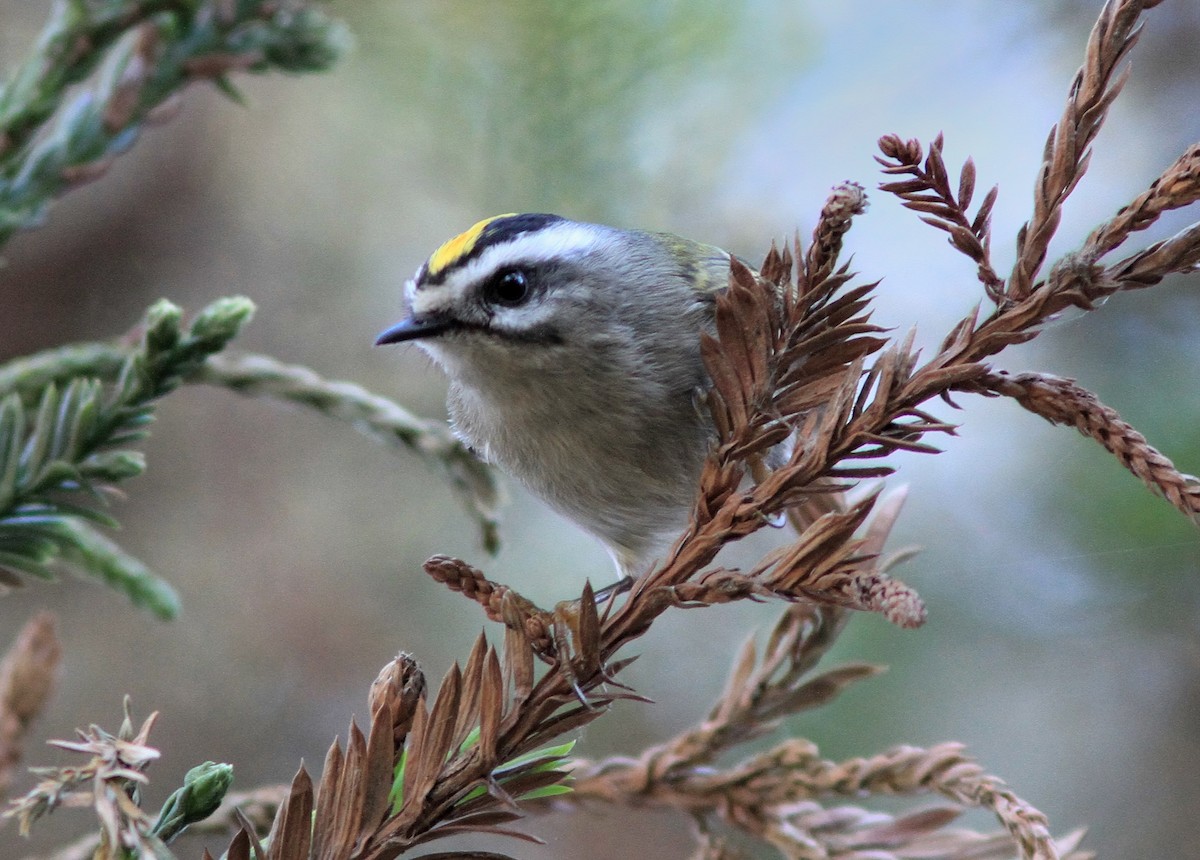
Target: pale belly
[[628, 476]]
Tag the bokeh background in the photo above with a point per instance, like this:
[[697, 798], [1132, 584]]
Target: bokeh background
[[1063, 645]]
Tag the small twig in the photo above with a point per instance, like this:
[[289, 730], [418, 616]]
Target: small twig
[[1061, 401], [474, 483], [1177, 186], [929, 192], [1067, 153], [500, 602], [262, 376]]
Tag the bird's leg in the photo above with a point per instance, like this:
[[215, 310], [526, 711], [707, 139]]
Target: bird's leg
[[621, 586], [578, 660], [577, 632]]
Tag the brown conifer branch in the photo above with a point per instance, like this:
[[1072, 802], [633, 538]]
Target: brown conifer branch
[[1177, 186], [928, 191], [1178, 254], [772, 787], [791, 358], [1062, 401], [1067, 153], [760, 692], [845, 201]]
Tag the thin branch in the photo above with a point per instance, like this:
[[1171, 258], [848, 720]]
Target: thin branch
[[928, 191], [1068, 146], [1061, 401], [473, 481]]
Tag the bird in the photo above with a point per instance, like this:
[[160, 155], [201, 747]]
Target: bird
[[573, 357]]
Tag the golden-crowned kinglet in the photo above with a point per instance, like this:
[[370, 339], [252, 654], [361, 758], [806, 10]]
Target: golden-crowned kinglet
[[573, 352]]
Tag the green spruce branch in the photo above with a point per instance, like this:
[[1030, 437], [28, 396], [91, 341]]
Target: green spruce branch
[[59, 459], [383, 420], [101, 68]]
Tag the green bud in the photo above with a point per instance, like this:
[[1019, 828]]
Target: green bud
[[306, 40], [204, 787], [209, 782], [218, 323], [162, 326]]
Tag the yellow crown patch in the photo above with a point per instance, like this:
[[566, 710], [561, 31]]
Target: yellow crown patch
[[460, 246]]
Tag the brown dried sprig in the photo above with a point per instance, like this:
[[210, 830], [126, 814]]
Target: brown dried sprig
[[1178, 186], [929, 192], [786, 362], [106, 782], [28, 675], [805, 830], [499, 602], [1067, 153], [1076, 280], [758, 694], [774, 795], [1079, 279], [792, 361], [1061, 401], [463, 761], [762, 795]]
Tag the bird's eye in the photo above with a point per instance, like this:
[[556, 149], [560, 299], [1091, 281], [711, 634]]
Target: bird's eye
[[508, 288]]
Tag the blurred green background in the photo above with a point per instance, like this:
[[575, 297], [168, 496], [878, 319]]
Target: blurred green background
[[1063, 644]]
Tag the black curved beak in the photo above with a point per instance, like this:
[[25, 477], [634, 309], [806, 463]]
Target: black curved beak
[[413, 328]]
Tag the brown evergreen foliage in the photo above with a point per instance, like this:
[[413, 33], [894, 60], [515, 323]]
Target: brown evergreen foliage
[[795, 356]]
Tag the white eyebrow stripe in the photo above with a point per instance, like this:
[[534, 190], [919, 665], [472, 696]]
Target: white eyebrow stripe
[[557, 241]]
